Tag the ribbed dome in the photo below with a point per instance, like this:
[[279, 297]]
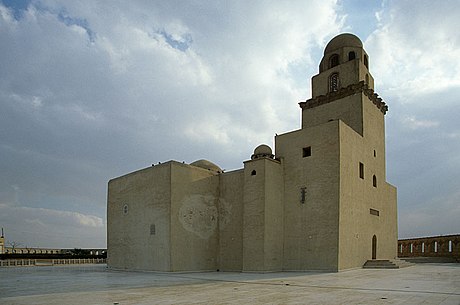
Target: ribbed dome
[[206, 165], [343, 40]]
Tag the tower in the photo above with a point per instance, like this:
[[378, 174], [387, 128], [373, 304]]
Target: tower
[[2, 243], [336, 164]]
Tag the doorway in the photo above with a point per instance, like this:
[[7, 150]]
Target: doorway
[[374, 247]]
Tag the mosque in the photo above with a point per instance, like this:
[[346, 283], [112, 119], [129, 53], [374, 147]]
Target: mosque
[[319, 201]]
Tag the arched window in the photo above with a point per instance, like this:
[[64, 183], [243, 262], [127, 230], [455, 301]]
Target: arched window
[[334, 82], [366, 61], [351, 55], [374, 247], [334, 61], [253, 173], [374, 181]]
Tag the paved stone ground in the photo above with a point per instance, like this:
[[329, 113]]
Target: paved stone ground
[[94, 284]]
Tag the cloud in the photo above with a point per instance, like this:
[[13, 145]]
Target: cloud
[[416, 47], [90, 93], [59, 228], [412, 57], [51, 217], [414, 123], [134, 82], [90, 90]]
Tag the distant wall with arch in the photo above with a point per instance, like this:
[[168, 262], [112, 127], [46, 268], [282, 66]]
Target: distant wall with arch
[[435, 246]]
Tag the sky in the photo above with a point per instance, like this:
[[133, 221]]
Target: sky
[[92, 90]]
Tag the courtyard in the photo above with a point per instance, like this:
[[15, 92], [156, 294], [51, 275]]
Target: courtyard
[[95, 284]]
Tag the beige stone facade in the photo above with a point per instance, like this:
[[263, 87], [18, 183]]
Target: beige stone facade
[[319, 202]]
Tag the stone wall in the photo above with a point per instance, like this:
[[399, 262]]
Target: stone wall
[[436, 246]]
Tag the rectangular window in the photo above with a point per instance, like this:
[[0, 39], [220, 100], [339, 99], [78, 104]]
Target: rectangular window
[[361, 170], [303, 192], [374, 212], [152, 229], [306, 151]]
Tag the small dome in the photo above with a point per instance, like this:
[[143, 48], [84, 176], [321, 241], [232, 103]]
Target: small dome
[[206, 165], [343, 40], [262, 151]]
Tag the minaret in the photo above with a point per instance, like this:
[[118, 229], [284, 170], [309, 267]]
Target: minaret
[[343, 74], [344, 63], [2, 243], [339, 210]]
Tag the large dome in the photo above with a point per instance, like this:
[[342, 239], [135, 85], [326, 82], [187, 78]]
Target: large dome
[[207, 165], [343, 40]]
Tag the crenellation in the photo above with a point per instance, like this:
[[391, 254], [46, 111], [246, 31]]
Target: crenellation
[[360, 87], [435, 246]]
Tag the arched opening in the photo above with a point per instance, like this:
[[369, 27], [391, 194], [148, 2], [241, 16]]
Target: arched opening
[[374, 247], [303, 192], [253, 173], [351, 55], [334, 61], [374, 181], [334, 82], [366, 61]]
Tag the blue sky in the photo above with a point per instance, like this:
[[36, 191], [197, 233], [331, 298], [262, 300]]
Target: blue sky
[[91, 90]]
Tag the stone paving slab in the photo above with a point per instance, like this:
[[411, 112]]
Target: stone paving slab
[[419, 284]]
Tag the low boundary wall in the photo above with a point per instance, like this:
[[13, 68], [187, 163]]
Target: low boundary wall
[[50, 262], [435, 246]]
